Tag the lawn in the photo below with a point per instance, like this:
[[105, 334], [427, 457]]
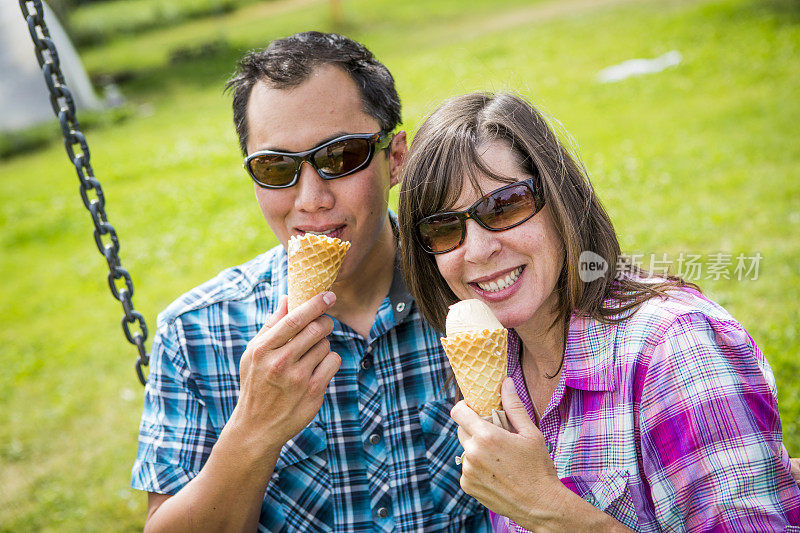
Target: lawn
[[699, 159], [100, 22]]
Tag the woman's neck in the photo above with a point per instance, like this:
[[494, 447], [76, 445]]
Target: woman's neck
[[543, 341]]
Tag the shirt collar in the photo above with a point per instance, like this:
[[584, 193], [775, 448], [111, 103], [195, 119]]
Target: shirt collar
[[588, 358], [589, 354], [399, 297]]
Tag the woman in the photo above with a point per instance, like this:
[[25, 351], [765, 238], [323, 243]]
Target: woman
[[637, 402]]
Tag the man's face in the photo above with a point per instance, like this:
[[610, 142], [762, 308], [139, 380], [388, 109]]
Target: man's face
[[352, 208]]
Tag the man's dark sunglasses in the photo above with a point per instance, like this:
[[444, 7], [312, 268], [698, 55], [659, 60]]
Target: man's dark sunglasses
[[332, 159], [499, 210]]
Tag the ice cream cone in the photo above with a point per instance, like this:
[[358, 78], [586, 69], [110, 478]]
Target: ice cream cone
[[479, 361], [314, 262]]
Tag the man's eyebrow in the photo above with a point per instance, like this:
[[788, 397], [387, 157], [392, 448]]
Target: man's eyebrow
[[323, 141]]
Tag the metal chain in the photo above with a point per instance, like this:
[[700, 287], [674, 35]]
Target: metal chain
[[92, 194]]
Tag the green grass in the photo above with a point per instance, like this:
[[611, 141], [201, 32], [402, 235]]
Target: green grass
[[99, 22], [35, 137], [700, 158]]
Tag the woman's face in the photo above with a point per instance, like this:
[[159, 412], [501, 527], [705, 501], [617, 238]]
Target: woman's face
[[514, 271]]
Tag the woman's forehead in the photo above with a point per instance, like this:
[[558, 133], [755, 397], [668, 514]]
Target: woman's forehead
[[477, 186], [499, 158], [489, 166]]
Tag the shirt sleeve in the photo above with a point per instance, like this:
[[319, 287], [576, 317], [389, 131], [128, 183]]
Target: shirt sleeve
[[711, 432], [175, 434]]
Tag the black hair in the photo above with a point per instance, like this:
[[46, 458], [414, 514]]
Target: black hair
[[288, 62]]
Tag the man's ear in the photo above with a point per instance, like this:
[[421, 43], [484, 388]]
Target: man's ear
[[398, 151]]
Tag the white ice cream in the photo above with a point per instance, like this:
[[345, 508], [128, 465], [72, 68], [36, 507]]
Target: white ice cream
[[293, 245], [298, 241], [470, 315]]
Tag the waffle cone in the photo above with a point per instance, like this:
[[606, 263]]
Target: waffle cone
[[479, 361], [314, 262]]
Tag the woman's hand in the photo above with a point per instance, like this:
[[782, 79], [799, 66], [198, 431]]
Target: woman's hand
[[510, 473], [795, 464]]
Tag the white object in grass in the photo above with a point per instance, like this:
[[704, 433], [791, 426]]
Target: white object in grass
[[638, 67]]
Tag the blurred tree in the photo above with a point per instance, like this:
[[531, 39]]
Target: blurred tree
[[62, 8]]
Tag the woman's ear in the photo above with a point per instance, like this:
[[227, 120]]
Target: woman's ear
[[398, 151]]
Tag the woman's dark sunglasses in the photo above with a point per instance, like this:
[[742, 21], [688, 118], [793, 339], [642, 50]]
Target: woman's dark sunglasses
[[499, 210], [332, 159]]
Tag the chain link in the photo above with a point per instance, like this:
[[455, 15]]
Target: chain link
[[91, 192]]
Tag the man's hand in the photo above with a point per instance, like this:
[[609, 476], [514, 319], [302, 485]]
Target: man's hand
[[284, 373]]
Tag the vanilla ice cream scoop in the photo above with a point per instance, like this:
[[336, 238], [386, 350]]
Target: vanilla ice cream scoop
[[470, 315], [476, 346]]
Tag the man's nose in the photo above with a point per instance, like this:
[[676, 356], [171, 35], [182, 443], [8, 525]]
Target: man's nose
[[313, 192], [479, 243]]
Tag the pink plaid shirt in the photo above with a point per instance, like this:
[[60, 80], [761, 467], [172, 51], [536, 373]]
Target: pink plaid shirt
[[668, 421]]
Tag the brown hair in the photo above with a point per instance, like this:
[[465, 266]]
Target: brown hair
[[444, 155]]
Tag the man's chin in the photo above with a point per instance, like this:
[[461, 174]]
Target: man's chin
[[345, 272]]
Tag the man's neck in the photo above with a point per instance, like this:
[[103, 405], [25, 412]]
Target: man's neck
[[359, 297]]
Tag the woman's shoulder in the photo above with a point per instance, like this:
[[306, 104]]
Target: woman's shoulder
[[685, 330], [656, 315], [684, 318], [680, 302]]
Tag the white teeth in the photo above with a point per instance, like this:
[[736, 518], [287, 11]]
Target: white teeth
[[327, 232], [500, 284]]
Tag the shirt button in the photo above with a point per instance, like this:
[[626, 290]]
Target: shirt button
[[590, 498], [383, 512], [400, 307], [549, 447], [366, 363], [374, 438]]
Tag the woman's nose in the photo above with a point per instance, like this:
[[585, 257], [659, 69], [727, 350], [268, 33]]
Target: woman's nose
[[479, 243], [313, 192]]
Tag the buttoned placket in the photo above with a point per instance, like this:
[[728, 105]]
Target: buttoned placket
[[550, 422], [366, 359], [374, 445]]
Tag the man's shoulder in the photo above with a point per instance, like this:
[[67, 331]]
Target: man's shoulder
[[232, 284]]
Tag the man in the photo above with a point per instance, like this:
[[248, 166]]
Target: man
[[300, 421]]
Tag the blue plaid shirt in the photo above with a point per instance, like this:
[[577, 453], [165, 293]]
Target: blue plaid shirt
[[379, 456]]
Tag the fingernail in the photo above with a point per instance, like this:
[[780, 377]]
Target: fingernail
[[328, 297]]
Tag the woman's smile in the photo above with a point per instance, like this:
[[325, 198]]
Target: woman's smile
[[498, 287]]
